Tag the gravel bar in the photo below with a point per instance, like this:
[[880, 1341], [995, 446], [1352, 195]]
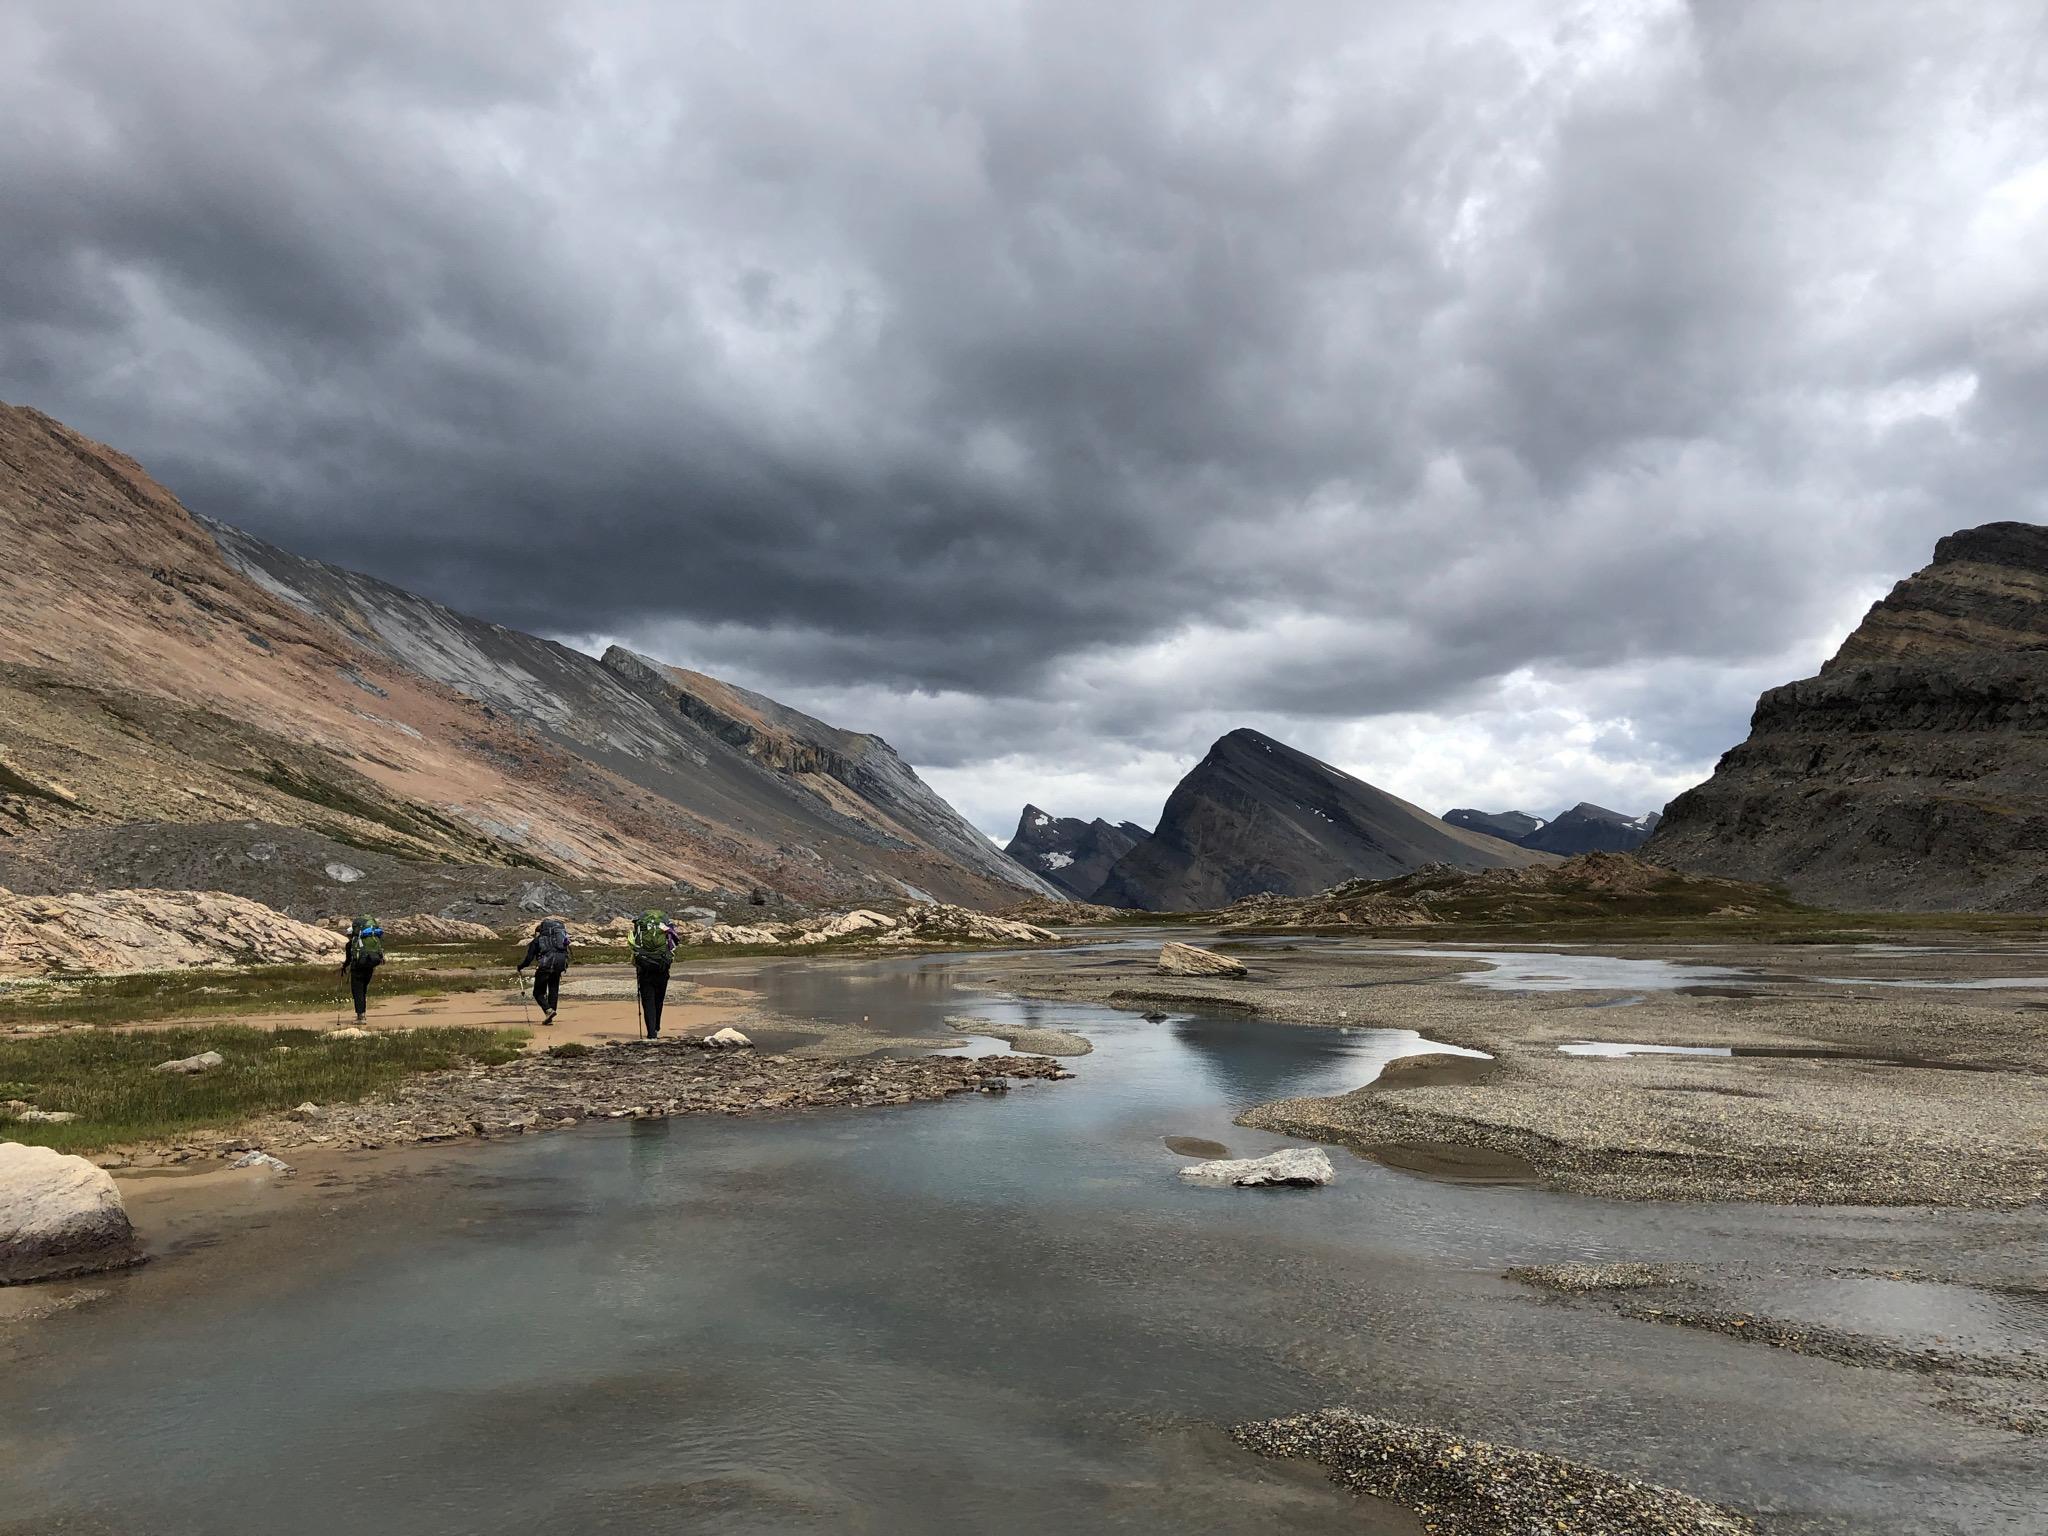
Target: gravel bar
[[1471, 1488]]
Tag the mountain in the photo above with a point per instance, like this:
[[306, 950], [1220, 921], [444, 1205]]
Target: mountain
[[1912, 772], [1509, 826], [1585, 828], [1589, 828], [1074, 855], [184, 706], [1256, 815]]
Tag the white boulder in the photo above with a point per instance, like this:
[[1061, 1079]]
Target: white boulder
[[1187, 960], [1300, 1167], [262, 1160], [727, 1039], [59, 1216], [186, 1066]]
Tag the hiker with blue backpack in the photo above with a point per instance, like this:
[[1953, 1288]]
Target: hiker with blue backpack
[[364, 954], [654, 947], [548, 954]]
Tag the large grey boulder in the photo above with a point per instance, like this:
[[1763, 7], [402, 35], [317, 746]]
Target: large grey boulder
[[1187, 960], [1301, 1167], [59, 1216], [186, 1066]]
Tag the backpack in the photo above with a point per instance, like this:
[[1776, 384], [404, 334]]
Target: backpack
[[650, 937], [553, 940], [367, 943]]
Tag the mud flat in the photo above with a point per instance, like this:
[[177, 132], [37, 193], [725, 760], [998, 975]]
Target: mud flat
[[1839, 1074]]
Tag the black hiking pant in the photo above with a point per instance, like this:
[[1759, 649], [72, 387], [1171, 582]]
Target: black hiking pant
[[547, 990], [359, 986], [653, 981]]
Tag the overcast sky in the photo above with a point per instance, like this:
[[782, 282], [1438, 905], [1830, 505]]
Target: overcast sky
[[1490, 398]]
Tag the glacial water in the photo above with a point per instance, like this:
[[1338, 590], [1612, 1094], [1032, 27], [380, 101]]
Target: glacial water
[[992, 1315]]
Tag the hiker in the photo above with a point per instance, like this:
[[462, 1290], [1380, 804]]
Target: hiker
[[654, 946], [364, 954], [548, 954]]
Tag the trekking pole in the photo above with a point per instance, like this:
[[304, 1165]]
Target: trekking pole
[[525, 1004]]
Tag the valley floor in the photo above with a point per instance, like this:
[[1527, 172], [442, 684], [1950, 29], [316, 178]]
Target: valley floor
[[1766, 1356]]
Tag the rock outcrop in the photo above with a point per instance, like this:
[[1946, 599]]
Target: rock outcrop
[[120, 931], [1912, 772], [1074, 855], [1292, 1167], [59, 1216], [1189, 960], [424, 928], [1255, 815], [928, 923]]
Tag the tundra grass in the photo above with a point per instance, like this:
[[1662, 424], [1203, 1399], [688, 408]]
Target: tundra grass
[[149, 996], [105, 1078]]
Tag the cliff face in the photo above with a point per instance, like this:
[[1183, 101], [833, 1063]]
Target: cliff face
[[187, 706], [1073, 854], [1255, 815], [1912, 772]]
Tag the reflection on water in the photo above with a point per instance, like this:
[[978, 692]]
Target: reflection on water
[[992, 1315], [1560, 971], [1920, 1313]]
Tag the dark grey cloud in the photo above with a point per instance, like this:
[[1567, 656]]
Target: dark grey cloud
[[1044, 382]]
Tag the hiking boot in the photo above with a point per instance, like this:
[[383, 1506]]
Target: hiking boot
[[359, 1019], [548, 1017]]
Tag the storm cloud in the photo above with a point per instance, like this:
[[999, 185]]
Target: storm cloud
[[1489, 397]]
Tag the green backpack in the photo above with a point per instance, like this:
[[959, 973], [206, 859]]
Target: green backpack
[[369, 942], [650, 937]]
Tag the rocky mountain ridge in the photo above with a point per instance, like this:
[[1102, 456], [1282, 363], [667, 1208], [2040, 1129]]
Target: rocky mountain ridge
[[1911, 773], [1256, 815], [198, 709], [1074, 855], [1585, 828]]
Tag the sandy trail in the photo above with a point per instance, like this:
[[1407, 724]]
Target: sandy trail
[[599, 1004]]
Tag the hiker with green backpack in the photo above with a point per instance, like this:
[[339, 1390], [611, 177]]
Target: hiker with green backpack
[[654, 947], [364, 954]]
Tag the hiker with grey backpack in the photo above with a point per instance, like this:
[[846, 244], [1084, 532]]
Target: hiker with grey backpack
[[654, 947], [548, 954], [364, 954]]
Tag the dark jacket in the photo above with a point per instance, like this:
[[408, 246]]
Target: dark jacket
[[534, 956]]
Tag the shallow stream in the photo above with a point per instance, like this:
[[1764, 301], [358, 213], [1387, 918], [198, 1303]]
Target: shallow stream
[[993, 1315]]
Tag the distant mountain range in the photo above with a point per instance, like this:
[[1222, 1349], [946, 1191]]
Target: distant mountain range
[[1074, 855], [1585, 828], [182, 705], [1256, 815], [1912, 772]]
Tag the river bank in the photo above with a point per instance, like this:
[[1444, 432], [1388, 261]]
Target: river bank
[[1786, 1074]]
